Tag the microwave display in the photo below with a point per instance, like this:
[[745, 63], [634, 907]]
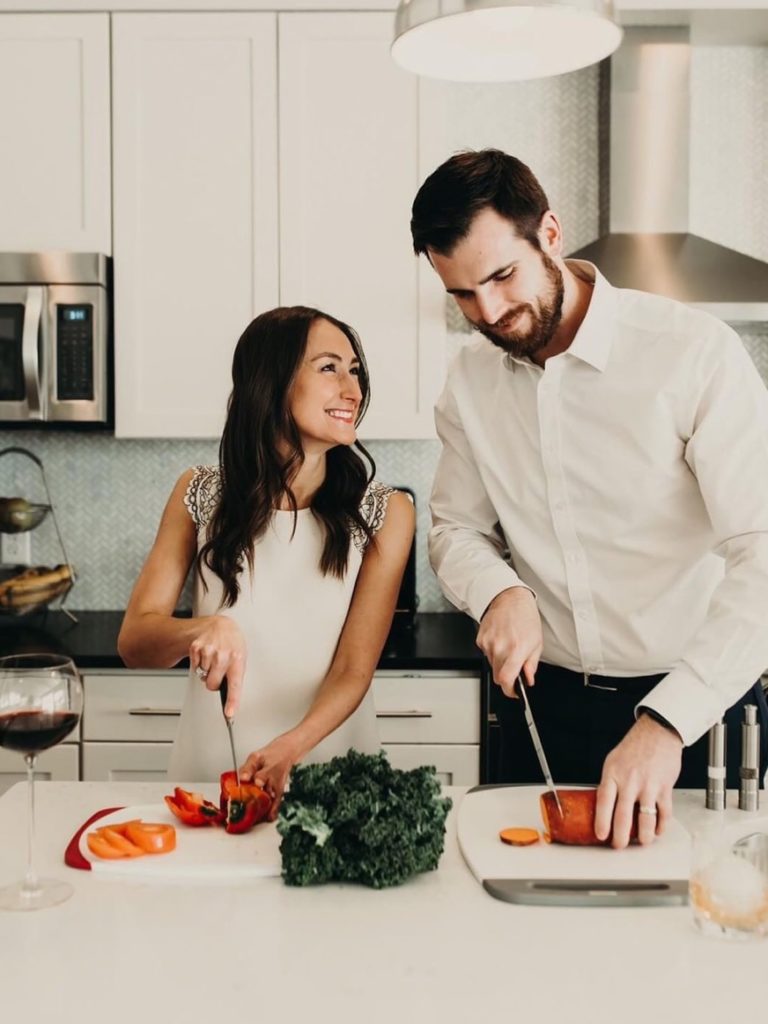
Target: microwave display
[[74, 353]]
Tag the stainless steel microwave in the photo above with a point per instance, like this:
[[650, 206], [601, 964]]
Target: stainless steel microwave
[[55, 331]]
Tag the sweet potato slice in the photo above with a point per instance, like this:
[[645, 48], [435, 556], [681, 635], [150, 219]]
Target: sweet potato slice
[[519, 836], [576, 826]]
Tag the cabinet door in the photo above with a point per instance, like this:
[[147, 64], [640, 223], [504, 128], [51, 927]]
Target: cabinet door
[[59, 764], [54, 123], [455, 764], [428, 708], [133, 706], [195, 211], [125, 762], [357, 135]]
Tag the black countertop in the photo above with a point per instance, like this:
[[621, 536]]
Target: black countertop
[[444, 640]]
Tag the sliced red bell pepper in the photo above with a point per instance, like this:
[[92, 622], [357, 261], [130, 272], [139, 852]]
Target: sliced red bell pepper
[[243, 804], [193, 809]]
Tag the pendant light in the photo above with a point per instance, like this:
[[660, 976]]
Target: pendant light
[[502, 40]]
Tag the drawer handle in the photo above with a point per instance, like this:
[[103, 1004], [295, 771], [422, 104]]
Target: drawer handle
[[403, 714], [171, 712]]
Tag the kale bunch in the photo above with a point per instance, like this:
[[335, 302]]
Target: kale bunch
[[358, 819]]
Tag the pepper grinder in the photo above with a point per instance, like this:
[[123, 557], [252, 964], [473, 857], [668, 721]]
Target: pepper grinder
[[716, 768], [749, 799]]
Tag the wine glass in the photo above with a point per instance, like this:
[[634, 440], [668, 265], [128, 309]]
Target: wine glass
[[40, 703]]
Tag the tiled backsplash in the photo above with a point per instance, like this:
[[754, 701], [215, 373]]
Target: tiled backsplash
[[109, 494]]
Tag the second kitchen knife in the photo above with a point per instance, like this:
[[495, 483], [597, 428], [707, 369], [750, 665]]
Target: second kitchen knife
[[537, 742]]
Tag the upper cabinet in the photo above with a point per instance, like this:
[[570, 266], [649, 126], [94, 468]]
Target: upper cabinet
[[216, 220], [355, 142], [54, 123], [195, 211]]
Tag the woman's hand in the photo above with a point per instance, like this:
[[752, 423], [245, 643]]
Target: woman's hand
[[270, 768], [217, 651]]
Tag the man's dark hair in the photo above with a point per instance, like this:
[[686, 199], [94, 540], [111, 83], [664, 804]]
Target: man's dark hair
[[453, 195]]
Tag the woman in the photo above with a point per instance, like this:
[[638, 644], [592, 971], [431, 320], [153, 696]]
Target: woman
[[298, 556]]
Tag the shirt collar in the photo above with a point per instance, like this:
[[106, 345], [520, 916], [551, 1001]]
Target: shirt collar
[[593, 340]]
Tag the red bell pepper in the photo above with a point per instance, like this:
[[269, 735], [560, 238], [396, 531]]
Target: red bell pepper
[[243, 804], [193, 809]]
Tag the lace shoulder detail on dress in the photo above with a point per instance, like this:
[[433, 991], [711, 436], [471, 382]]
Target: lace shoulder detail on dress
[[373, 508], [202, 495]]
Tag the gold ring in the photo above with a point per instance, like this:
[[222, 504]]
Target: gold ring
[[645, 809]]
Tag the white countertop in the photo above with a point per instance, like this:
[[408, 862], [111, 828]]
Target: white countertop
[[438, 949]]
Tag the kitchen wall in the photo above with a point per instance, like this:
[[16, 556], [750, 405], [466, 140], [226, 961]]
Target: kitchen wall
[[109, 493]]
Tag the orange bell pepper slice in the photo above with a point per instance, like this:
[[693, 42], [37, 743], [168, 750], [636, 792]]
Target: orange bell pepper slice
[[152, 837], [101, 847], [120, 842]]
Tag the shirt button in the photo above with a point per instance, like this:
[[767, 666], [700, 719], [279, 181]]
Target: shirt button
[[582, 613], [559, 506]]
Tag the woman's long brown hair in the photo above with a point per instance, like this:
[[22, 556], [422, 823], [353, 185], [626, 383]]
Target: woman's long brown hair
[[255, 476]]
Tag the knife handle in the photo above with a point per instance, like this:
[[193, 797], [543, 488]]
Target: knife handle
[[223, 691]]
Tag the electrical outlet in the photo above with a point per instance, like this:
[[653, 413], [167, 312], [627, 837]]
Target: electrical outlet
[[15, 549]]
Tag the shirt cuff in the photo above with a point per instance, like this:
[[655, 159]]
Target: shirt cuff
[[686, 702], [489, 584]]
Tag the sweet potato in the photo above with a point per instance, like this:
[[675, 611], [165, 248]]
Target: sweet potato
[[576, 827], [519, 836]]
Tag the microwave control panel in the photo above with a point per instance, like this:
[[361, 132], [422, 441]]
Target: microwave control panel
[[74, 352]]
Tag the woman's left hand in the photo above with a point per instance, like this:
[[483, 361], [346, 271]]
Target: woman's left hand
[[270, 768]]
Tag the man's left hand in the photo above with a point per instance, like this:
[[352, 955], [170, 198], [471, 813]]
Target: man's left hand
[[642, 770]]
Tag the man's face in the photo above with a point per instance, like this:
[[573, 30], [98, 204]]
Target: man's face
[[506, 288]]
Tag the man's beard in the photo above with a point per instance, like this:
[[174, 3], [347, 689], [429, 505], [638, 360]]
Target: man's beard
[[544, 320]]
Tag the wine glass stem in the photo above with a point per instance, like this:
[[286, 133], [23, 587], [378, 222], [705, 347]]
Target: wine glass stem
[[30, 879]]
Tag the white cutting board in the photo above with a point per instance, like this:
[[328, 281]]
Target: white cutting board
[[485, 811], [205, 854]]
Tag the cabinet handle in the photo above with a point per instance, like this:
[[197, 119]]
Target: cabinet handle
[[403, 714], [156, 711]]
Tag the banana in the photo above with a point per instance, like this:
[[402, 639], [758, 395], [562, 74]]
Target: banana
[[33, 585]]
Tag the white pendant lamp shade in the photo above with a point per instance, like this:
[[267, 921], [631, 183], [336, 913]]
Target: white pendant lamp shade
[[502, 40]]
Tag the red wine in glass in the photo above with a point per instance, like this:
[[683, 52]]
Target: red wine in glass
[[30, 731], [40, 703]]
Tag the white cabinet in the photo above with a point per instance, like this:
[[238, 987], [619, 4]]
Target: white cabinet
[[59, 764], [431, 718], [54, 123], [197, 195], [129, 722], [195, 211], [357, 136]]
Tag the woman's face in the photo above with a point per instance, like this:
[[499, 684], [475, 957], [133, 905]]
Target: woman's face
[[326, 396]]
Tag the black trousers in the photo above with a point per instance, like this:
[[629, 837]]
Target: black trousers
[[579, 725]]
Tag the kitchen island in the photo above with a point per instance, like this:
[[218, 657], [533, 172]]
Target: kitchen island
[[437, 949]]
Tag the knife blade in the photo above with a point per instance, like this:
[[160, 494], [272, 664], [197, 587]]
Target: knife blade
[[543, 763], [223, 695]]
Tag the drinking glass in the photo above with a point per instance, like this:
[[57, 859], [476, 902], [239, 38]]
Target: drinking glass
[[40, 704], [729, 877]]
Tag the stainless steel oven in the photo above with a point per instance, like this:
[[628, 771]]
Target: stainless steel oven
[[55, 347]]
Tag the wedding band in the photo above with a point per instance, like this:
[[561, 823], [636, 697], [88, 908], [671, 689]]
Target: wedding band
[[200, 672], [645, 809]]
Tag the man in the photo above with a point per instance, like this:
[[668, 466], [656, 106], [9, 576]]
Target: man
[[601, 500]]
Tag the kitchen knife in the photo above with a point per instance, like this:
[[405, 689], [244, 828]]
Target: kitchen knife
[[229, 721], [544, 764]]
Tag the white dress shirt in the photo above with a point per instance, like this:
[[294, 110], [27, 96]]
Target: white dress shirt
[[625, 483]]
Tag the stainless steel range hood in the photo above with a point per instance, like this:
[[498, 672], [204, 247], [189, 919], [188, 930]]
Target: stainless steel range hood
[[645, 171]]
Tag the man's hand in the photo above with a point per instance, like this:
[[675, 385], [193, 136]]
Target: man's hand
[[510, 637], [642, 770]]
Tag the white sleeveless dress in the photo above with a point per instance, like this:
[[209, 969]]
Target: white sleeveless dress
[[291, 617]]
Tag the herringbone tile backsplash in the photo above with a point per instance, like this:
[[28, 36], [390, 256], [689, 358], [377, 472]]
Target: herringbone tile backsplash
[[109, 494]]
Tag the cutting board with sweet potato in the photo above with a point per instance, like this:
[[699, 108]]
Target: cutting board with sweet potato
[[555, 874]]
